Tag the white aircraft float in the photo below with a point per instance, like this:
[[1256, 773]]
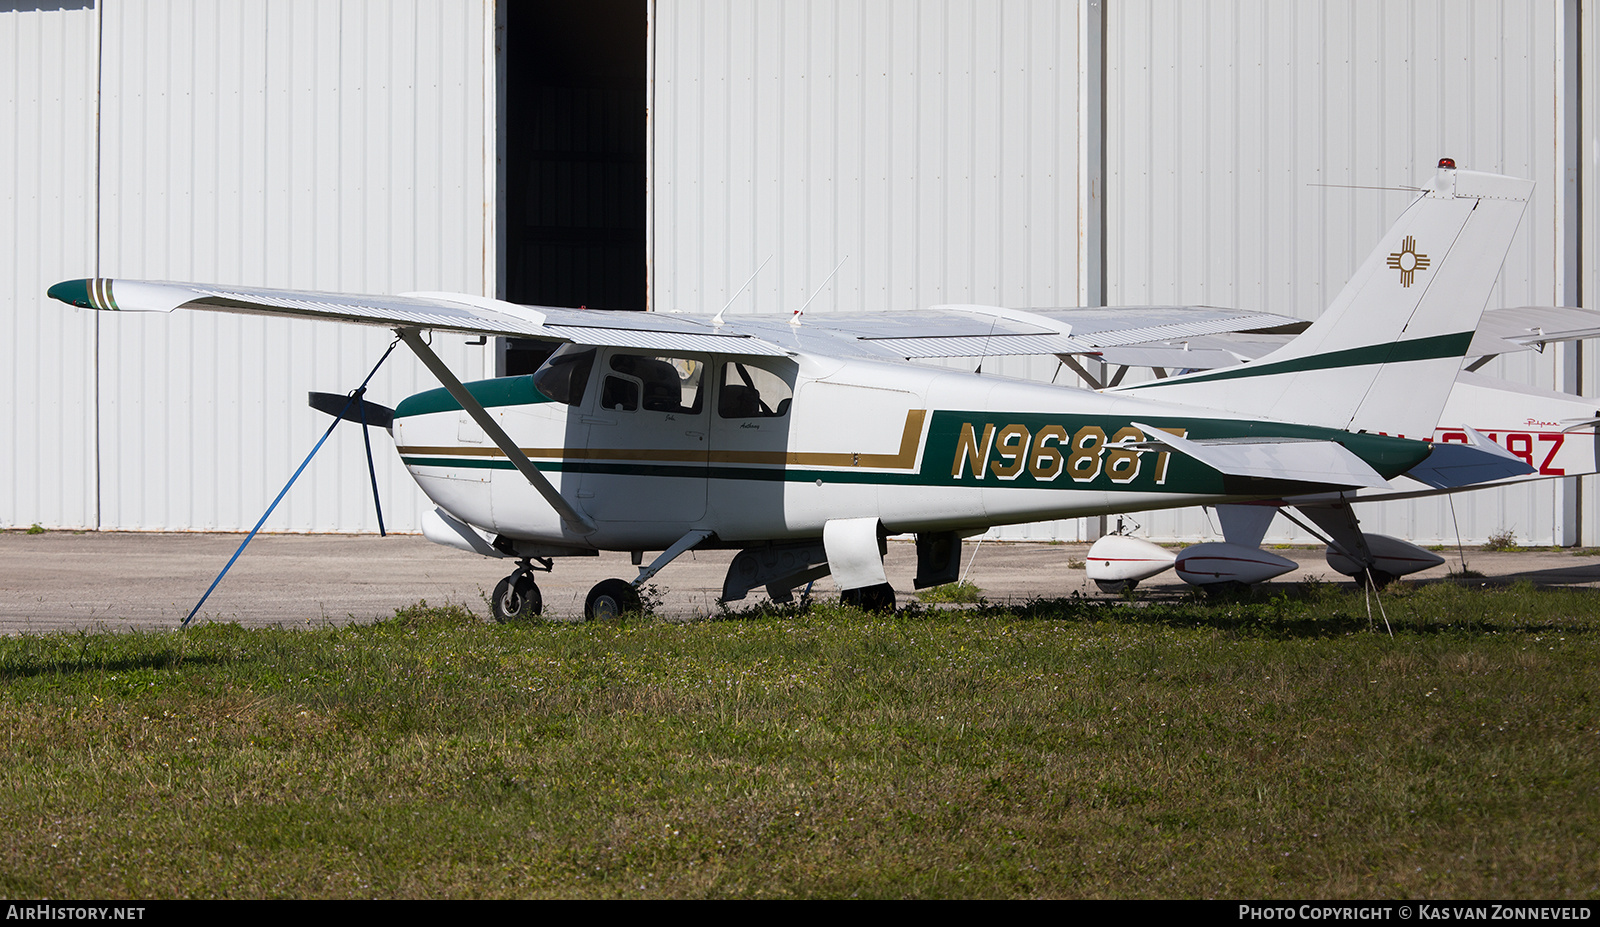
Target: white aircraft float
[[804, 443]]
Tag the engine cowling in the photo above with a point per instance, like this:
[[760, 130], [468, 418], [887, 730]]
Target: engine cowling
[[1219, 562]]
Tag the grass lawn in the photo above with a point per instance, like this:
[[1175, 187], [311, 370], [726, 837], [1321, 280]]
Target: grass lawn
[[1272, 748]]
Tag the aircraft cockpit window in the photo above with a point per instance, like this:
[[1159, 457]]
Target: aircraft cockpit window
[[752, 392], [565, 375], [620, 394], [660, 384]]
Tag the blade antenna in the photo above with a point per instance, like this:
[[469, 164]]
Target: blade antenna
[[285, 491]]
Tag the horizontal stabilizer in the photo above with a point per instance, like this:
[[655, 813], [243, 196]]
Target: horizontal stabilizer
[[1478, 461], [1305, 461]]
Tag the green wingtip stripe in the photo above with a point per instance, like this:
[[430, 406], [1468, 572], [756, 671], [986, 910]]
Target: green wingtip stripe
[[73, 293], [91, 293]]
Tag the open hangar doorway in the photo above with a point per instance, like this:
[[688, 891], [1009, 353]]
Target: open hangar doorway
[[574, 121]]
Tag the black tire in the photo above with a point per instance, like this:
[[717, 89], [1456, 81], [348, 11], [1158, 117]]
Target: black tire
[[516, 598], [611, 599], [878, 599], [1378, 578]]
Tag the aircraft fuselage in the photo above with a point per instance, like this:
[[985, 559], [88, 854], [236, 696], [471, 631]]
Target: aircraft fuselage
[[652, 445]]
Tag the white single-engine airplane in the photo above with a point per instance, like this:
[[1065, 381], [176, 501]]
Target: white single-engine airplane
[[804, 443]]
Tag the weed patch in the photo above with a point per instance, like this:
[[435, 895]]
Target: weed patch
[[960, 593]]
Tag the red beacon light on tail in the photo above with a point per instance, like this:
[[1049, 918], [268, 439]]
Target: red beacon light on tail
[[1447, 164]]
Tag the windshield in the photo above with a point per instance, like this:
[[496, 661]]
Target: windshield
[[564, 376]]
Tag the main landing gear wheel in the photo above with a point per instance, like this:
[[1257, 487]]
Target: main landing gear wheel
[[879, 598], [610, 599], [517, 598], [1379, 579]]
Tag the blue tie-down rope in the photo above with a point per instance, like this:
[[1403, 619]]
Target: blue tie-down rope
[[355, 397]]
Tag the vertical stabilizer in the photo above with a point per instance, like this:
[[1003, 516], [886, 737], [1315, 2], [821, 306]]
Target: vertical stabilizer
[[1384, 355]]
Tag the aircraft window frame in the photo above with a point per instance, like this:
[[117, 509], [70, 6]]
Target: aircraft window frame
[[687, 373], [579, 359], [612, 399], [770, 402]]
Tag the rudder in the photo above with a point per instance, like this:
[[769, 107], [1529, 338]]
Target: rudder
[[1384, 355]]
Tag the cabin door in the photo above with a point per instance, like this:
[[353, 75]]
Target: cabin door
[[647, 448]]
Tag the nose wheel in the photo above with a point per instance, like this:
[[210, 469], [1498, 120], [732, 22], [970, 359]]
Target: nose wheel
[[517, 598]]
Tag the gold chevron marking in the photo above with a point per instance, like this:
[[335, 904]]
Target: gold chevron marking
[[1408, 261], [903, 459]]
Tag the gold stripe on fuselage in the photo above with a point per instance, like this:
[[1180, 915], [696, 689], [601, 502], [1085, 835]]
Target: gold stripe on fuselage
[[903, 459]]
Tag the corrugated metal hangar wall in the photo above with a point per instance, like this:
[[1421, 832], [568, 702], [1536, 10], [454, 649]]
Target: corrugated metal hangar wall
[[1020, 153], [342, 146], [956, 152]]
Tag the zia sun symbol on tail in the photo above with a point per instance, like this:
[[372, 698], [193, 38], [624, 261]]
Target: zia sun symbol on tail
[[1408, 261]]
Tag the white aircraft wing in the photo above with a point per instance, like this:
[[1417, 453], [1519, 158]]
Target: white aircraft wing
[[451, 312], [991, 331], [1501, 331], [1184, 356], [1115, 326], [1506, 331], [939, 331]]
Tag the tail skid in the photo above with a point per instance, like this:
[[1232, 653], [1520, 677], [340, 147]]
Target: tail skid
[[1384, 356]]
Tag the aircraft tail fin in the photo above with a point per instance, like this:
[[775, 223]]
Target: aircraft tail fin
[[1384, 355]]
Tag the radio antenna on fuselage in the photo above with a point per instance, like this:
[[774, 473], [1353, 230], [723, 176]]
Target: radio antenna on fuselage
[[795, 319], [717, 319]]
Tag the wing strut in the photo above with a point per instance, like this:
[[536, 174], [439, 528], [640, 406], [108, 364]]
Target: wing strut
[[413, 339]]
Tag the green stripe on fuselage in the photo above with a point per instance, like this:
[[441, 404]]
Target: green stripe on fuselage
[[501, 391], [1045, 451], [1393, 353], [1056, 452]]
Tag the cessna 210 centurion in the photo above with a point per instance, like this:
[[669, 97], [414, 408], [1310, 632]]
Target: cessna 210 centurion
[[803, 444]]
